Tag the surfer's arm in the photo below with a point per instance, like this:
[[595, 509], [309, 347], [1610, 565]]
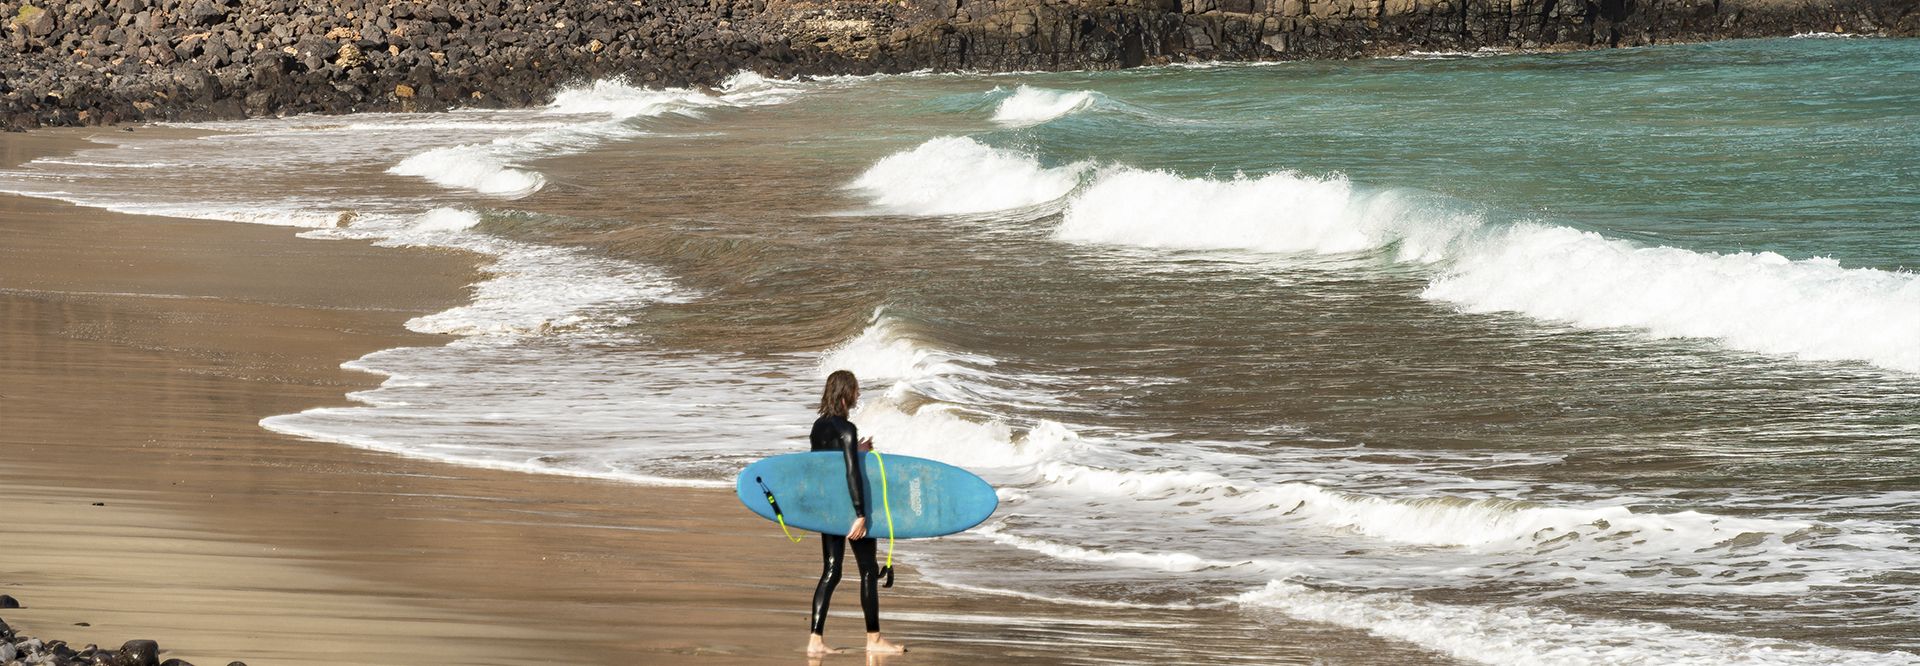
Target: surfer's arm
[[856, 479]]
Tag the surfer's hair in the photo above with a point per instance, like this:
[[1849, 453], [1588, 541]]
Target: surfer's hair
[[842, 389]]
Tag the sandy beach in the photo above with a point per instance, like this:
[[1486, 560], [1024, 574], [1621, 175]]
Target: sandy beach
[[142, 500]]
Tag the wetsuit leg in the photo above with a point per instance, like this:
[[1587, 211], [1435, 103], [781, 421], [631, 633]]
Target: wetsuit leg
[[833, 549], [863, 554]]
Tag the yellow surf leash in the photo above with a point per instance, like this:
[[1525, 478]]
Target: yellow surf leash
[[777, 517], [887, 505]]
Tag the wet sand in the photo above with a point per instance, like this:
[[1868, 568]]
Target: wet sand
[[138, 494]]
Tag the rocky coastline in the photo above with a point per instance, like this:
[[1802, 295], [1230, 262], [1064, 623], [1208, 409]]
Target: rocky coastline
[[83, 62]]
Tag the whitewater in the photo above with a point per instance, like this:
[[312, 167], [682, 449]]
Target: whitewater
[[1812, 308]]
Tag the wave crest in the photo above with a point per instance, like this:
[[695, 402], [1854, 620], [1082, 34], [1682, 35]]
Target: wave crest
[[477, 167], [497, 167], [1029, 106], [1812, 308], [961, 176], [1279, 213]]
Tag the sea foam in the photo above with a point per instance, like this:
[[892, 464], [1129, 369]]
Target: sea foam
[[446, 220], [1278, 213], [1813, 308], [1524, 636], [620, 100], [597, 112], [958, 176], [1029, 106], [964, 425], [481, 168]]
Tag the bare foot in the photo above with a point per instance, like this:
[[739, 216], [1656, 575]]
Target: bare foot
[[817, 646], [878, 645]]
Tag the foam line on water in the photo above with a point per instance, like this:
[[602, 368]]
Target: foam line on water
[[1613, 538], [943, 581], [529, 290], [630, 414], [315, 424], [1179, 562], [599, 112], [1524, 636], [1830, 35], [1032, 620]]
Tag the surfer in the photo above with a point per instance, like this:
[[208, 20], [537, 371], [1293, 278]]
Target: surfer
[[833, 432]]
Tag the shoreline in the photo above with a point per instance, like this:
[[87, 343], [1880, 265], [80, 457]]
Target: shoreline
[[140, 354]]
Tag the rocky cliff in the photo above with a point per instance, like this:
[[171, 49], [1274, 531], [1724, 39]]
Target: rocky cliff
[[107, 61]]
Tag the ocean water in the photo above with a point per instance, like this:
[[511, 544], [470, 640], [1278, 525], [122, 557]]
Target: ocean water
[[1607, 357]]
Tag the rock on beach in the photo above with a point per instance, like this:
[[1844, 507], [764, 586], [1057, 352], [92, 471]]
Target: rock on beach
[[16, 648]]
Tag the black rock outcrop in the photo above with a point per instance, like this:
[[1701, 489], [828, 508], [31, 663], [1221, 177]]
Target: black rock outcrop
[[109, 61]]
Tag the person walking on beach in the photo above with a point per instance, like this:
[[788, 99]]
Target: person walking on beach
[[833, 432]]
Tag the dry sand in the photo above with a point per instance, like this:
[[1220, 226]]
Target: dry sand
[[138, 494]]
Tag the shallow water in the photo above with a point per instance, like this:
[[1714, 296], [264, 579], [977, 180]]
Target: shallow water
[[1605, 357]]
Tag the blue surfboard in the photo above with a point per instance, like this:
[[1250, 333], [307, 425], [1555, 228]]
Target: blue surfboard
[[929, 498]]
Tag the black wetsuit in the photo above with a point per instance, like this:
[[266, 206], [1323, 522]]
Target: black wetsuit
[[835, 433]]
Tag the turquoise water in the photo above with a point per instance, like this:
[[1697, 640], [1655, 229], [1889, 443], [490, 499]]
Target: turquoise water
[[1607, 357], [1804, 147]]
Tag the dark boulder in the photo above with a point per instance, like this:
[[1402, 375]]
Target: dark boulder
[[206, 13], [62, 651], [140, 653], [34, 21]]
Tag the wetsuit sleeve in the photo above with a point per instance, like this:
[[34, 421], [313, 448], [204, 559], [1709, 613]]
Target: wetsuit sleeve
[[856, 479]]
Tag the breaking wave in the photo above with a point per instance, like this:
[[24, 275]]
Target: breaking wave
[[598, 112], [1029, 106], [1813, 309], [959, 176]]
